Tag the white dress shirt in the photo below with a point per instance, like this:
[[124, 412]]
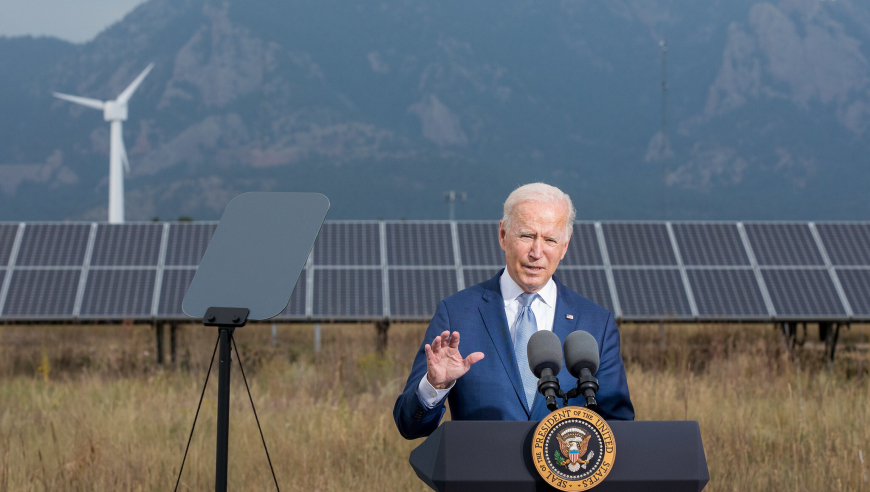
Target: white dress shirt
[[544, 307]]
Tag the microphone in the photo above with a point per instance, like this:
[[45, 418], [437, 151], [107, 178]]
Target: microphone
[[582, 359], [545, 360]]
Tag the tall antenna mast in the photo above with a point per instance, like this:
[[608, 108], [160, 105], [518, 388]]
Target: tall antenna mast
[[665, 149], [450, 197]]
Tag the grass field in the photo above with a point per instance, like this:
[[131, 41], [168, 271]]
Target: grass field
[[86, 407]]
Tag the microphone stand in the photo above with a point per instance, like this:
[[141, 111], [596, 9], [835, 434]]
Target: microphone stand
[[548, 385], [587, 386]]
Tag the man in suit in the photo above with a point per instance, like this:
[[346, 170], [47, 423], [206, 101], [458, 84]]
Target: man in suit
[[496, 319]]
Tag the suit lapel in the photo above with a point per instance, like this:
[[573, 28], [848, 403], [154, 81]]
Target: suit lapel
[[492, 312], [562, 326]]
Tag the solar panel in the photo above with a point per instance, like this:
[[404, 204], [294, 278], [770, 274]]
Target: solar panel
[[588, 282], [846, 244], [348, 293], [651, 294], [583, 249], [348, 280], [187, 243], [416, 293], [127, 245], [348, 244], [638, 244], [42, 293], [727, 294], [856, 286], [416, 244], [172, 289], [118, 293], [478, 244], [783, 244], [474, 276], [710, 244], [802, 293], [296, 307], [53, 245], [7, 239]]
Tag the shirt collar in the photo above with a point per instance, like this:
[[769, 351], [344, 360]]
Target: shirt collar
[[510, 290]]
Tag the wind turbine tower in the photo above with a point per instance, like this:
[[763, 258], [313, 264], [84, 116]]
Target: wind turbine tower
[[115, 112]]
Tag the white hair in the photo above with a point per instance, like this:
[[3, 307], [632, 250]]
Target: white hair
[[539, 193]]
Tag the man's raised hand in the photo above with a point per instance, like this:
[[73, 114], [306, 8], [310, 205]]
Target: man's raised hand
[[444, 364]]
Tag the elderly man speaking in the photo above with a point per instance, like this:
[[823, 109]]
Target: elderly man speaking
[[496, 318]]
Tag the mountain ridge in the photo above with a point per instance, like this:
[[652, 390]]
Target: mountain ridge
[[384, 106]]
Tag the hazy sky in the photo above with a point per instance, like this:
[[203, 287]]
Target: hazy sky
[[73, 20]]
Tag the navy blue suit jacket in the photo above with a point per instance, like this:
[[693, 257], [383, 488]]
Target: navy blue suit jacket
[[492, 388]]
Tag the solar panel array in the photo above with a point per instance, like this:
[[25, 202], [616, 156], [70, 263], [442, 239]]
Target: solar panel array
[[400, 270]]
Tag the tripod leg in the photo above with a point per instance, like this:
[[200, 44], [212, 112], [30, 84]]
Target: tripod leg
[[223, 417]]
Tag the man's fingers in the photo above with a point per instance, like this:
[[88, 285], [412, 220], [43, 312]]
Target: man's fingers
[[473, 358], [436, 343], [454, 340]]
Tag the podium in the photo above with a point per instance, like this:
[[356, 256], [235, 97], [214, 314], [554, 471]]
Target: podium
[[483, 456]]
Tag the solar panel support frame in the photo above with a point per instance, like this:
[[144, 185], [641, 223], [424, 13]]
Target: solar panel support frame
[[831, 271], [768, 302], [457, 257], [683, 275], [608, 270], [161, 264], [10, 265], [385, 276], [83, 277]]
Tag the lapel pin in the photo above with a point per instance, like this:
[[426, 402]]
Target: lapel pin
[[569, 316]]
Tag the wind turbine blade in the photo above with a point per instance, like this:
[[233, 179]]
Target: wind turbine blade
[[124, 156], [125, 96], [84, 101]]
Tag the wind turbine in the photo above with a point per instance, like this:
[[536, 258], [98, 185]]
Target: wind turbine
[[115, 112]]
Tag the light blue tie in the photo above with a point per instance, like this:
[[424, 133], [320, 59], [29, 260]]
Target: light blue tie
[[526, 325]]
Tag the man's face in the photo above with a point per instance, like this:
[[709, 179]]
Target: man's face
[[535, 244]]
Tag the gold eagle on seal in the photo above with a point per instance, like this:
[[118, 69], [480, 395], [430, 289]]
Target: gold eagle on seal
[[573, 443]]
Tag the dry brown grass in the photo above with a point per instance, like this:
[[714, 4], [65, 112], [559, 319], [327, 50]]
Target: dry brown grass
[[86, 408]]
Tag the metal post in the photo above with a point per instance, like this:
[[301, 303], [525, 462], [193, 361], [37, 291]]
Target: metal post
[[274, 334], [159, 330], [223, 417], [383, 329], [824, 327], [173, 344], [833, 334], [662, 340], [788, 339], [317, 338]]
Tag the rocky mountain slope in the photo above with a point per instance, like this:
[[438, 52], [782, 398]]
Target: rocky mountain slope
[[383, 106]]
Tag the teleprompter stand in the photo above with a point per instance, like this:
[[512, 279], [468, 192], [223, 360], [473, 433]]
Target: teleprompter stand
[[247, 273]]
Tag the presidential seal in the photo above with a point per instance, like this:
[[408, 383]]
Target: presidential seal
[[573, 449]]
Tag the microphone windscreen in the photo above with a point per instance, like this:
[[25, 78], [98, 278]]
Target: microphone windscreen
[[544, 351], [581, 351]]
